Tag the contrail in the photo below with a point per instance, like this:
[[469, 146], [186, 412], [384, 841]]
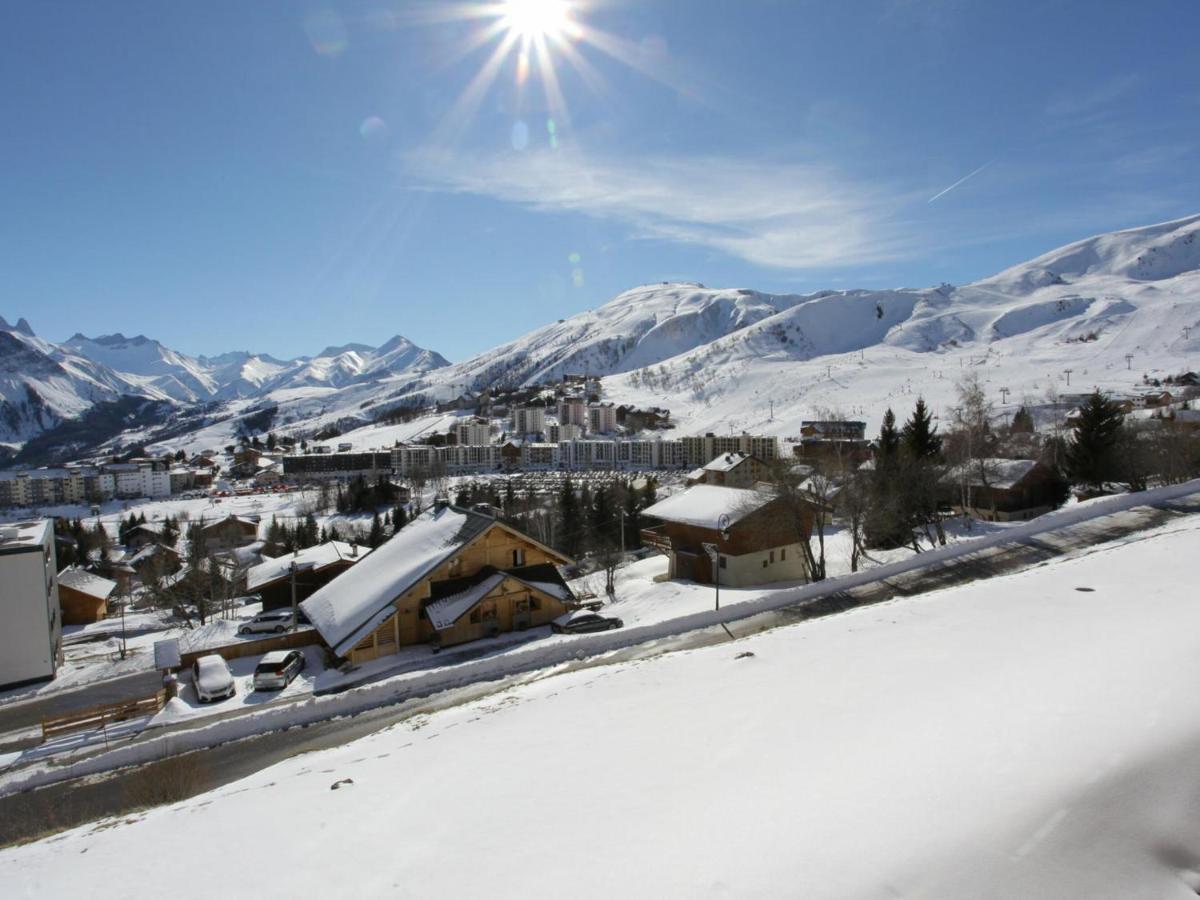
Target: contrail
[[960, 181]]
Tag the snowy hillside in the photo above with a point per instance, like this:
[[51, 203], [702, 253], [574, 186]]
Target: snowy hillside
[[1025, 736], [1110, 309], [42, 384]]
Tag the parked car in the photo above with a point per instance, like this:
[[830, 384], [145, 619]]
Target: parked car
[[584, 620], [277, 620], [213, 678], [276, 669]]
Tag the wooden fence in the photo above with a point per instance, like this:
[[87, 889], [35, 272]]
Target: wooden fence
[[302, 637], [102, 716]]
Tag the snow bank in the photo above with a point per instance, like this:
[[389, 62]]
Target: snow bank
[[1015, 737]]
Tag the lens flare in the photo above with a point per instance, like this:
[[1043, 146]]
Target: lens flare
[[530, 19]]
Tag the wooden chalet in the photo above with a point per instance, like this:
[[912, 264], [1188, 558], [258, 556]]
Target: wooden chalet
[[83, 596], [740, 470], [450, 575], [314, 567], [232, 531], [1004, 490], [758, 540]]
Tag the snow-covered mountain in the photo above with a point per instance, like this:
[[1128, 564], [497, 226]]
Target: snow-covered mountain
[[1109, 308], [1099, 312], [43, 384]]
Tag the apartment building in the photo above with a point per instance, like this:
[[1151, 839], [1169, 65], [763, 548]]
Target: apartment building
[[30, 618]]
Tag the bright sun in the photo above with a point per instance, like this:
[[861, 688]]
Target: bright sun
[[533, 19]]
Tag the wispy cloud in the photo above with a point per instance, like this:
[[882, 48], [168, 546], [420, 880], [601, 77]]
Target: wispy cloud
[[1092, 105], [785, 215]]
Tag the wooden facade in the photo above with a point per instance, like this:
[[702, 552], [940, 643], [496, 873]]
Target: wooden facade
[[762, 547], [512, 605], [80, 608]]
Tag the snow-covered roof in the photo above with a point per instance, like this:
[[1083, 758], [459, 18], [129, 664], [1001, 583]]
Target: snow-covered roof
[[445, 612], [727, 461], [358, 600], [318, 557], [998, 473], [704, 504], [86, 582]]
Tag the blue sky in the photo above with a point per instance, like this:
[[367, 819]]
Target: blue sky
[[279, 177]]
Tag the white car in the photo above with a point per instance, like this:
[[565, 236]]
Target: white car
[[277, 621], [213, 678], [276, 669]]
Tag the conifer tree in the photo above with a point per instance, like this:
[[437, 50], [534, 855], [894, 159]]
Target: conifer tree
[[1091, 452]]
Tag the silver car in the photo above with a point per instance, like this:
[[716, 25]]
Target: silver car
[[276, 669], [277, 621], [213, 678]]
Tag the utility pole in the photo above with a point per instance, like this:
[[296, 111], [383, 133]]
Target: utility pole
[[1128, 360], [1004, 392], [295, 616], [1068, 372]]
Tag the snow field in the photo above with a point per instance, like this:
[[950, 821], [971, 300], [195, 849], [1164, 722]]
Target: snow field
[[972, 742]]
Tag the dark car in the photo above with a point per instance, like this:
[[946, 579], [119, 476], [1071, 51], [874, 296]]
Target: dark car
[[582, 621]]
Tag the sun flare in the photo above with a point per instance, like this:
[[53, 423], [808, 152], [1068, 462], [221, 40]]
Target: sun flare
[[534, 19]]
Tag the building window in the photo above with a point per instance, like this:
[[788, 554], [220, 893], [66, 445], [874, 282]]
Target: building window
[[534, 603], [772, 558], [782, 554], [518, 556], [455, 566], [724, 560], [764, 563], [476, 616]]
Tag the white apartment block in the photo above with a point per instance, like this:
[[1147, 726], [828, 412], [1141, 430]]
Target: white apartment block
[[602, 418], [30, 619], [473, 432], [84, 484], [528, 420], [558, 433], [572, 411]]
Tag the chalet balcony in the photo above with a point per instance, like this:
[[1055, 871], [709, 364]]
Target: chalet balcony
[[657, 538]]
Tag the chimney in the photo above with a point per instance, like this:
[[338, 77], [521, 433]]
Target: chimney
[[440, 502], [354, 549]]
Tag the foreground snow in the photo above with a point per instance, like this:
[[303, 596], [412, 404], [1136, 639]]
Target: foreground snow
[[1018, 737]]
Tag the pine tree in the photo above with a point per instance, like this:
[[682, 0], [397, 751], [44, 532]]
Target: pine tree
[[399, 518], [1091, 452], [889, 440], [375, 536], [919, 438], [1022, 421], [568, 519]]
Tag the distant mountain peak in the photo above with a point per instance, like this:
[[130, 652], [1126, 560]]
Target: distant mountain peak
[[24, 327], [345, 348]]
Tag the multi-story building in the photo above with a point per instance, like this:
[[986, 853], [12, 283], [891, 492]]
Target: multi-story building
[[84, 484], [539, 456], [369, 464], [602, 418], [701, 450], [556, 434], [572, 411], [473, 431], [528, 420], [30, 619]]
